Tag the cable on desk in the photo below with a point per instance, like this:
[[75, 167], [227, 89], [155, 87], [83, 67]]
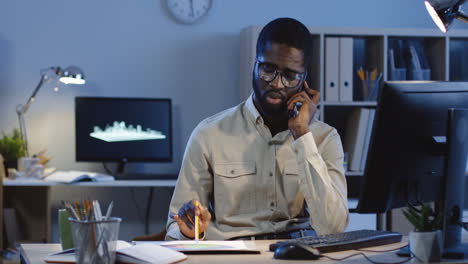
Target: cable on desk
[[366, 257], [370, 260], [108, 171], [382, 251], [136, 206], [148, 210]]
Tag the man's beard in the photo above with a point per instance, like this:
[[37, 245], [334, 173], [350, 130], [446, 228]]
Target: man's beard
[[268, 108]]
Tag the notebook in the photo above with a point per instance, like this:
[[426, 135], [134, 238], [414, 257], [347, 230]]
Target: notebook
[[77, 176], [207, 246], [127, 253]]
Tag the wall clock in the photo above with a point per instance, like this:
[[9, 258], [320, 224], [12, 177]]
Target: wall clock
[[188, 11]]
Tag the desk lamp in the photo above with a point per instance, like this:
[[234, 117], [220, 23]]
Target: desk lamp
[[70, 75], [443, 12]]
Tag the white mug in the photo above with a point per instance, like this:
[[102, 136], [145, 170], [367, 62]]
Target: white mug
[[25, 163]]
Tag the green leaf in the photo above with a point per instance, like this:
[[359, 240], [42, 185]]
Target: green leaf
[[12, 147], [423, 219]]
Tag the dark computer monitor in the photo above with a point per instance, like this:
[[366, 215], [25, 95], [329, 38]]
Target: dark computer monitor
[[123, 129], [418, 151]]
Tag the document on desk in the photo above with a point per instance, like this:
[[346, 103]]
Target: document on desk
[[208, 246], [127, 253], [77, 176]]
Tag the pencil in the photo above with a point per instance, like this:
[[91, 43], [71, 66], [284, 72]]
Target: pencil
[[197, 223]]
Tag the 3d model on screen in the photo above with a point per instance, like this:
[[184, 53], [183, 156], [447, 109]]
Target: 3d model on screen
[[119, 132]]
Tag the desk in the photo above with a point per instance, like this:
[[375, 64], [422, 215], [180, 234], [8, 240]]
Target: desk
[[34, 254], [31, 201]]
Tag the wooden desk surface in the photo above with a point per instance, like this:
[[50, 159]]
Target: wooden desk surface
[[116, 183], [35, 253]]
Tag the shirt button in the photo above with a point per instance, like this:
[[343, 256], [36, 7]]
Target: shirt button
[[272, 204], [232, 171], [271, 174]]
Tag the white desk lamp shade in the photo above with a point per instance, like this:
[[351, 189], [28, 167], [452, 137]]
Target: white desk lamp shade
[[72, 75]]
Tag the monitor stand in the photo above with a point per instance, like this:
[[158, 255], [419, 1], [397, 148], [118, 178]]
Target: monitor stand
[[455, 167], [122, 175], [121, 166], [456, 152]]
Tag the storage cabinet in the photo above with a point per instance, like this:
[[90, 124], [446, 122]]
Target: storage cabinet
[[435, 56], [438, 56], [458, 57]]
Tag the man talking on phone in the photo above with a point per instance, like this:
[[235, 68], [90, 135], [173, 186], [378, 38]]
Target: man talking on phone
[[267, 168]]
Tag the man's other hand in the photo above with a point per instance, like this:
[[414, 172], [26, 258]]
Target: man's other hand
[[185, 218]]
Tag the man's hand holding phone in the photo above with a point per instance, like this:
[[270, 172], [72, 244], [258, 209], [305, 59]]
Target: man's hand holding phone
[[309, 98], [185, 218]]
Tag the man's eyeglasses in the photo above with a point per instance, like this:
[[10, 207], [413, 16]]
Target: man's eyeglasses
[[268, 72]]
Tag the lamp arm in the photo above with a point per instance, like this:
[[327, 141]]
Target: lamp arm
[[462, 16], [21, 110], [25, 107], [23, 131]]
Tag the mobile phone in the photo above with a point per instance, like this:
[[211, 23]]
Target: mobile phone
[[294, 112]]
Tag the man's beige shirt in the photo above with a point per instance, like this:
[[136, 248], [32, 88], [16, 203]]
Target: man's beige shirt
[[254, 183]]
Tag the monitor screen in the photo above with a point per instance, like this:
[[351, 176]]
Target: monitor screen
[[405, 164], [123, 129]]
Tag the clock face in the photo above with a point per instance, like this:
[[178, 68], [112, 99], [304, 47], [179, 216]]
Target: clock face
[[188, 11]]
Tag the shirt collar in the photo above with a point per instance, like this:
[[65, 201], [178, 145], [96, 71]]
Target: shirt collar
[[257, 118], [249, 104]]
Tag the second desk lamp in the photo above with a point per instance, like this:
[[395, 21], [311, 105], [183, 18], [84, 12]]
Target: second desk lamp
[[70, 75]]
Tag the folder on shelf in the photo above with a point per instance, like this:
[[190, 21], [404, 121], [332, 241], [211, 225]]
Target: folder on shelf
[[346, 69], [416, 70], [394, 73], [355, 136], [332, 69], [367, 139]]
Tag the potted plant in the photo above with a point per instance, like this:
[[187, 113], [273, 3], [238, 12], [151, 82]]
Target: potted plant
[[12, 148], [425, 242]]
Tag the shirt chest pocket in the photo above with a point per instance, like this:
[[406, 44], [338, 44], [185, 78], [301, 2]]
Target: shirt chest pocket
[[234, 188]]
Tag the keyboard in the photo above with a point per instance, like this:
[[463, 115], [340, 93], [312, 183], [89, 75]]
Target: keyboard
[[345, 241]]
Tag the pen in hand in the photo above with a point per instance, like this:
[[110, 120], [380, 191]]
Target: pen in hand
[[197, 223]]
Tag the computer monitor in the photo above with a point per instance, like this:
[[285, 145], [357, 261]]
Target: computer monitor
[[123, 129], [418, 152]]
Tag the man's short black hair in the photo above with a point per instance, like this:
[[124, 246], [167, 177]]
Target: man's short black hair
[[287, 31]]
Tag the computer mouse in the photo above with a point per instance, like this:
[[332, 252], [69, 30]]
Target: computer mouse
[[296, 251]]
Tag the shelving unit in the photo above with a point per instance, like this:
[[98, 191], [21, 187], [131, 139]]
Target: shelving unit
[[446, 55]]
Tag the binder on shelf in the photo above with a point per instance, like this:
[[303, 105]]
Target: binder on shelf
[[416, 70], [394, 73], [346, 69], [355, 136], [332, 68], [367, 139]]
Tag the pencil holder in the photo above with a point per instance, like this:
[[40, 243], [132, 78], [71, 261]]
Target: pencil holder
[[95, 241], [65, 229], [397, 74], [421, 74]]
